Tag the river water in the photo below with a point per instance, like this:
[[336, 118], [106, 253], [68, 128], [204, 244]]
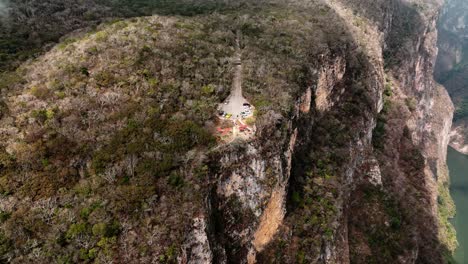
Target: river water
[[458, 165]]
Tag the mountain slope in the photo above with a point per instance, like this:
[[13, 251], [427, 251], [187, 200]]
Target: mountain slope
[[108, 149]]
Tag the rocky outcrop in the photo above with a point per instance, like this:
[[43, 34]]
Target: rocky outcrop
[[197, 247], [327, 82], [458, 138]]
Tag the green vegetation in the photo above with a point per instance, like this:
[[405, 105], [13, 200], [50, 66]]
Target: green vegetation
[[6, 246], [108, 152], [4, 216], [378, 134], [446, 210], [384, 230], [131, 131], [75, 230], [461, 110], [40, 92], [318, 206], [15, 43], [411, 104]]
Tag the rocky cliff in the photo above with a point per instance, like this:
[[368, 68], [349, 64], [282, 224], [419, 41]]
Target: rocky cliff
[[451, 67], [107, 151]]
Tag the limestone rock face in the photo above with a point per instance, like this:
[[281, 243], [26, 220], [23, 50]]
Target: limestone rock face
[[451, 69]]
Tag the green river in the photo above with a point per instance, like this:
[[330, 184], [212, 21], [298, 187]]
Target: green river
[[458, 165]]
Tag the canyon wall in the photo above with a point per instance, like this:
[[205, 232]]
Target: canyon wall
[[107, 152], [451, 68]]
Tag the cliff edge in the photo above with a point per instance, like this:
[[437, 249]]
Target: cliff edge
[[109, 148]]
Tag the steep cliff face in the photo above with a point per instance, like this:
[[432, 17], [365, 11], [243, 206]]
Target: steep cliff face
[[368, 162], [382, 203], [453, 34], [106, 151], [451, 68]]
